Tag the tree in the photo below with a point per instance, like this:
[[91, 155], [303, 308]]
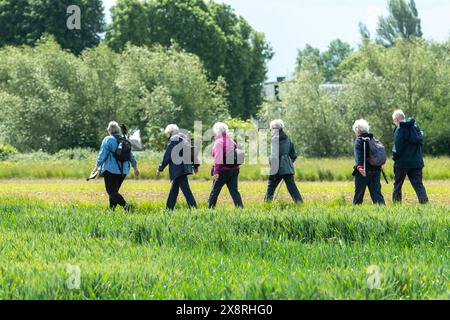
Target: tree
[[225, 43], [25, 21], [402, 21], [327, 61]]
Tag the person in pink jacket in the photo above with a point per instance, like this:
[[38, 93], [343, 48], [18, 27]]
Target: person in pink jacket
[[224, 174]]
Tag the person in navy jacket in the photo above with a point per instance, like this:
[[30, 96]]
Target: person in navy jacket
[[110, 170], [179, 167]]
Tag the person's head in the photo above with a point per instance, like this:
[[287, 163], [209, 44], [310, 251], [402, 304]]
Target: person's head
[[220, 128], [277, 126], [398, 116], [361, 126], [113, 128], [171, 129]]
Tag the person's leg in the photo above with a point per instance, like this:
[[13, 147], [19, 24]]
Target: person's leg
[[173, 194], [416, 178], [232, 185], [272, 185], [375, 188], [217, 187], [292, 188], [399, 179], [360, 189], [113, 183], [184, 185]]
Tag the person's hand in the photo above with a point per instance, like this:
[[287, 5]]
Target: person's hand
[[361, 171], [136, 172], [216, 177], [158, 174]]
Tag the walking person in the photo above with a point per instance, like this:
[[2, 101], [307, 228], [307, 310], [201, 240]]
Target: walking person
[[179, 167], [282, 158], [112, 169], [224, 174], [408, 157], [366, 175]]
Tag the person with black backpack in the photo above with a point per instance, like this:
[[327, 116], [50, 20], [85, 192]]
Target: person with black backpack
[[282, 158], [180, 164], [408, 157], [227, 160], [113, 162], [370, 156]]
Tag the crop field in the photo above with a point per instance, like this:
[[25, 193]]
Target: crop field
[[55, 231]]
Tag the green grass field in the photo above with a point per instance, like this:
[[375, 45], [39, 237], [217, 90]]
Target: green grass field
[[325, 249]]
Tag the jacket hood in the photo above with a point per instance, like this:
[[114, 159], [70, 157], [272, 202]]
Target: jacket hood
[[408, 123], [177, 136], [366, 135]]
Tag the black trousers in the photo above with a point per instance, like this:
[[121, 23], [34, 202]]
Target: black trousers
[[230, 179], [183, 184], [415, 177], [275, 180], [113, 182], [372, 181]]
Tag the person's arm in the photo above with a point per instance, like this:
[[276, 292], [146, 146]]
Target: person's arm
[[400, 144], [217, 153], [134, 164], [167, 157], [104, 153], [293, 153], [359, 156]]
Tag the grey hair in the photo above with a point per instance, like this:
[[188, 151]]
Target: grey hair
[[113, 128], [220, 128], [277, 124], [361, 126], [398, 114], [171, 129]]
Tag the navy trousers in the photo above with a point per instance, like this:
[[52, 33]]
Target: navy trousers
[[183, 184], [230, 179], [415, 177], [371, 181]]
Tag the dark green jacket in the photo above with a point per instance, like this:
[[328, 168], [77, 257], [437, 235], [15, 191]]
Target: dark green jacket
[[282, 159], [408, 148]]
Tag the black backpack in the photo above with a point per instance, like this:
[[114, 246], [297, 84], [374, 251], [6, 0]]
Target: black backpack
[[233, 158], [122, 153]]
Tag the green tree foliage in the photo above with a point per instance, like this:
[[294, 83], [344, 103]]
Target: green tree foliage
[[226, 44], [402, 21], [25, 21], [327, 61], [51, 99]]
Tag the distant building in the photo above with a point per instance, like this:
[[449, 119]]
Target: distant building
[[272, 89]]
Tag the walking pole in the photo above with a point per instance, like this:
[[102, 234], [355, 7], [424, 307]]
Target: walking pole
[[281, 184]]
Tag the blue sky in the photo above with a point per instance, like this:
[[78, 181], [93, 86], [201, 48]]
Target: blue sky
[[290, 24]]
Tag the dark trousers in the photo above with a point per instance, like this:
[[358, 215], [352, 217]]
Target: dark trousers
[[113, 182], [230, 179], [275, 180], [372, 181], [183, 184], [415, 177]]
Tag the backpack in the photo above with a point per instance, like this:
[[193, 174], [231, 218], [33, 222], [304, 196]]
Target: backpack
[[233, 158], [377, 153], [123, 152]]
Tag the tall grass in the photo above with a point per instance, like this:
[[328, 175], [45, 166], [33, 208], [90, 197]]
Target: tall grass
[[275, 252], [306, 169]]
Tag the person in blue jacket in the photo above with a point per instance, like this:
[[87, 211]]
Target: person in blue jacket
[[114, 172], [179, 167]]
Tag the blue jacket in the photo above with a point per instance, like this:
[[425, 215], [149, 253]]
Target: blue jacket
[[408, 149], [179, 169], [107, 161]]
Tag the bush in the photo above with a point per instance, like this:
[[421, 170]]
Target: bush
[[6, 151]]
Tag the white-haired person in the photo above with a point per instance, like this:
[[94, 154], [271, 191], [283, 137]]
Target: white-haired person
[[113, 170], [366, 175], [224, 174], [180, 166], [282, 158], [408, 157]]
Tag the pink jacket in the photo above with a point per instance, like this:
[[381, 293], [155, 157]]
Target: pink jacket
[[217, 152]]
